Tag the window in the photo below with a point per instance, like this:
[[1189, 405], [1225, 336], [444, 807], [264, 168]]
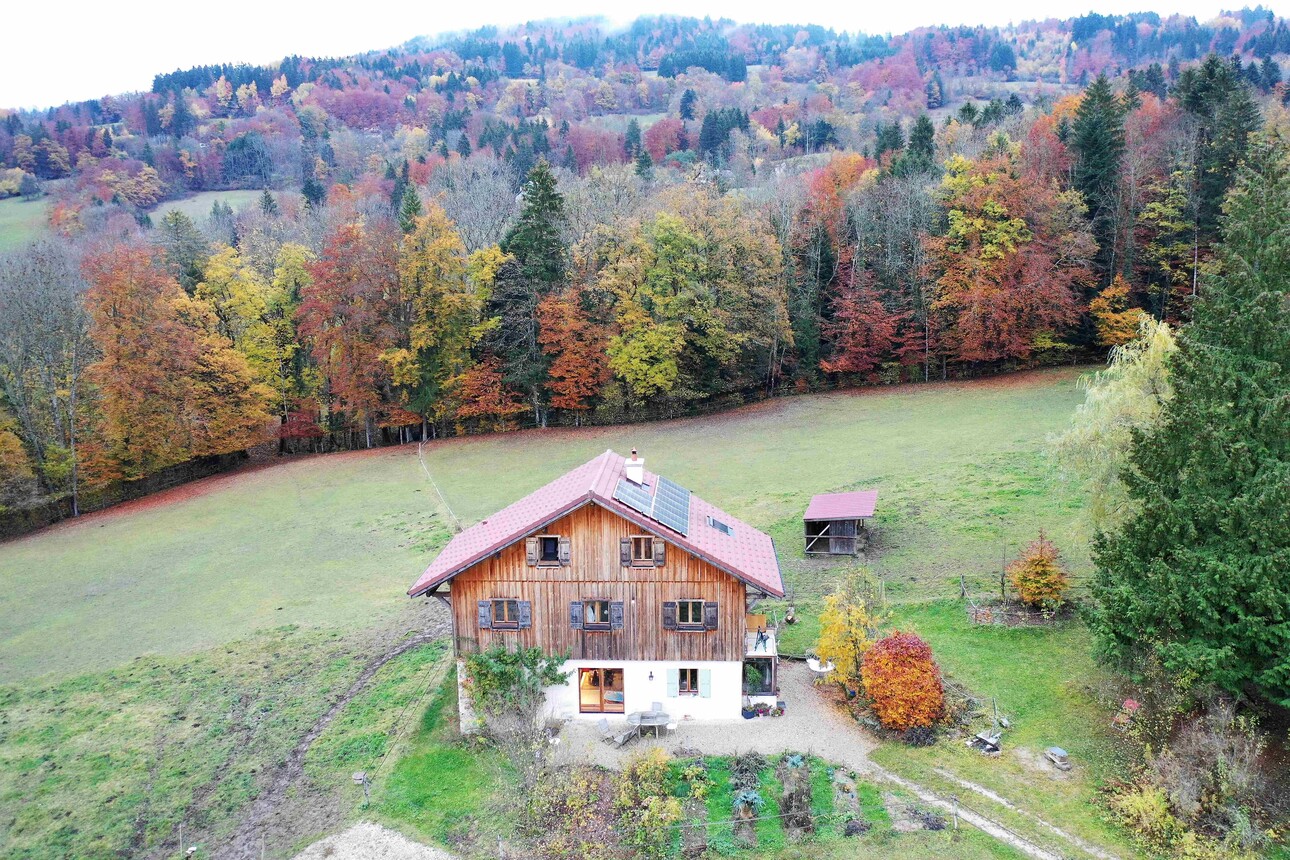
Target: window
[[506, 613], [759, 676], [689, 682], [595, 614], [720, 526], [600, 691], [643, 551], [689, 613], [548, 549]]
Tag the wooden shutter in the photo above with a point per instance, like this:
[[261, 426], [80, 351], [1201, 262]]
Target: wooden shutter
[[485, 614], [575, 615], [669, 615], [616, 615], [531, 551], [564, 551], [705, 683], [673, 683], [625, 551], [660, 552], [526, 614], [710, 616]]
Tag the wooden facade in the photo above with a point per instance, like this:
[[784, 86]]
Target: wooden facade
[[590, 568], [834, 537]]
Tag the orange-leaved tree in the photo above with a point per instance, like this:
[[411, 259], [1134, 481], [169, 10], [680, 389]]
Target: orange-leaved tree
[[169, 385], [1038, 575], [1116, 321], [903, 682], [577, 345]]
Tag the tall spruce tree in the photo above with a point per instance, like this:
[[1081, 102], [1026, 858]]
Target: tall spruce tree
[[537, 238], [537, 247], [410, 209], [1198, 579], [1097, 136], [632, 140], [1219, 100]]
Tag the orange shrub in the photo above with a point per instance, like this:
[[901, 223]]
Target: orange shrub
[[1038, 576], [903, 682]]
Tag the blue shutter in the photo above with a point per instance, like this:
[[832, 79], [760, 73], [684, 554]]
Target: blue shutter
[[616, 615], [485, 614], [575, 615], [526, 614], [710, 615], [705, 683], [673, 683]]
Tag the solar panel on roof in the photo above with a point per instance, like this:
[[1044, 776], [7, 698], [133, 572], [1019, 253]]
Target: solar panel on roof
[[634, 496], [672, 506]]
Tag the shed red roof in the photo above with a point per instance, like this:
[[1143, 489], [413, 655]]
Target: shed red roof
[[747, 554], [842, 506]]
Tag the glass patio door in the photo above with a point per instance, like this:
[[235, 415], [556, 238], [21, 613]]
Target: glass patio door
[[600, 691]]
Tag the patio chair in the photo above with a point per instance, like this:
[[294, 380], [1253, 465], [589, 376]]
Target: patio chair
[[609, 736], [656, 707], [671, 727]]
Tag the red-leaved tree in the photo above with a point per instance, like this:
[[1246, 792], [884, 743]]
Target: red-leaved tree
[[903, 682]]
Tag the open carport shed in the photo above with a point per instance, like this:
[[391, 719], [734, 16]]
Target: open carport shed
[[835, 522]]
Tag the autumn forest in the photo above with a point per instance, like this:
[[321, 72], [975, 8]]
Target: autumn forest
[[561, 224]]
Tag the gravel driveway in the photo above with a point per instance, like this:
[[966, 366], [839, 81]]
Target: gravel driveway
[[367, 841]]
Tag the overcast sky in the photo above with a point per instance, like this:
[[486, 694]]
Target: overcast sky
[[57, 52]]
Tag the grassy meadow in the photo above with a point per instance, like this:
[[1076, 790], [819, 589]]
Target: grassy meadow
[[20, 222], [156, 657], [198, 206]]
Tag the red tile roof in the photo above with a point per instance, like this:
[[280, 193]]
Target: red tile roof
[[747, 554], [842, 506]]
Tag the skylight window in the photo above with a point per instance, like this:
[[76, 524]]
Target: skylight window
[[720, 526]]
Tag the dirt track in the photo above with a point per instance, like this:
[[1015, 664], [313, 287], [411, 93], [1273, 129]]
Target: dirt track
[[261, 820]]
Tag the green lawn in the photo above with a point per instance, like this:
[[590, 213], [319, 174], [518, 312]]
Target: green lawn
[[328, 542], [157, 657], [110, 764], [1050, 690], [21, 221], [335, 541], [198, 206]]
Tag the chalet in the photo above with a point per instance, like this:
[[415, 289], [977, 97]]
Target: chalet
[[645, 585]]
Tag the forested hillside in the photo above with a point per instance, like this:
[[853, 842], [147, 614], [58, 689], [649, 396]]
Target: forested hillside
[[558, 224]]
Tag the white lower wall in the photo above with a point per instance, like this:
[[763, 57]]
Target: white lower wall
[[639, 692]]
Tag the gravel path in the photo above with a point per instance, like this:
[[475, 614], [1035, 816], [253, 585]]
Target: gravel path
[[367, 841]]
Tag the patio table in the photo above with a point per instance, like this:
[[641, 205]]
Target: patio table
[[648, 720]]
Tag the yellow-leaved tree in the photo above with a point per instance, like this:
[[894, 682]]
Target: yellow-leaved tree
[[848, 626]]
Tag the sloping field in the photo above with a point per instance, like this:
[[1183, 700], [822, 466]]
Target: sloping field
[[20, 222], [160, 660], [334, 541]]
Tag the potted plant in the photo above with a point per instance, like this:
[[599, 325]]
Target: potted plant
[[747, 710]]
